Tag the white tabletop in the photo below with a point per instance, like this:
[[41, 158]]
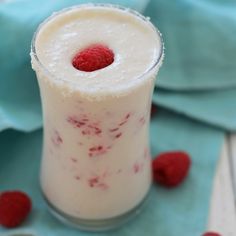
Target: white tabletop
[[222, 216]]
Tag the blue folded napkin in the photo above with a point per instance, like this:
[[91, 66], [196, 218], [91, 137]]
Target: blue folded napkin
[[197, 82]]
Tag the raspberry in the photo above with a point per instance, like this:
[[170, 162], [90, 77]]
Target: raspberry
[[211, 234], [153, 109], [171, 168], [93, 58], [14, 208]]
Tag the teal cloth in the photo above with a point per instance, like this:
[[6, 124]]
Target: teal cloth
[[200, 43], [217, 108], [197, 82]]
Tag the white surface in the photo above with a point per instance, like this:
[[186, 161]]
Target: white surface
[[222, 217], [232, 150]]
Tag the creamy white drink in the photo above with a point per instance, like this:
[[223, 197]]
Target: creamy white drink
[[96, 161]]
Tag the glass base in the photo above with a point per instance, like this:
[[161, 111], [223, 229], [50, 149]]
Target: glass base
[[95, 225]]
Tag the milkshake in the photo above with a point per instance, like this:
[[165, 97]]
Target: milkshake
[[96, 166]]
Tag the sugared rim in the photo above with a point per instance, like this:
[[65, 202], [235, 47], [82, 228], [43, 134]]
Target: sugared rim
[[157, 62]]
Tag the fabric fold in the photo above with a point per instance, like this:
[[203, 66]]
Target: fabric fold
[[200, 46], [216, 108]]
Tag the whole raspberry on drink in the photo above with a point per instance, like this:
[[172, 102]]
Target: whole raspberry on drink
[[93, 58]]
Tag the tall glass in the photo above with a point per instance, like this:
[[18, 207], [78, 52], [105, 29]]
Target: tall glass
[[96, 166]]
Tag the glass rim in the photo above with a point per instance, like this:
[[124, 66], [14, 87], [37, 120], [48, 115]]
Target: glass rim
[[158, 57]]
